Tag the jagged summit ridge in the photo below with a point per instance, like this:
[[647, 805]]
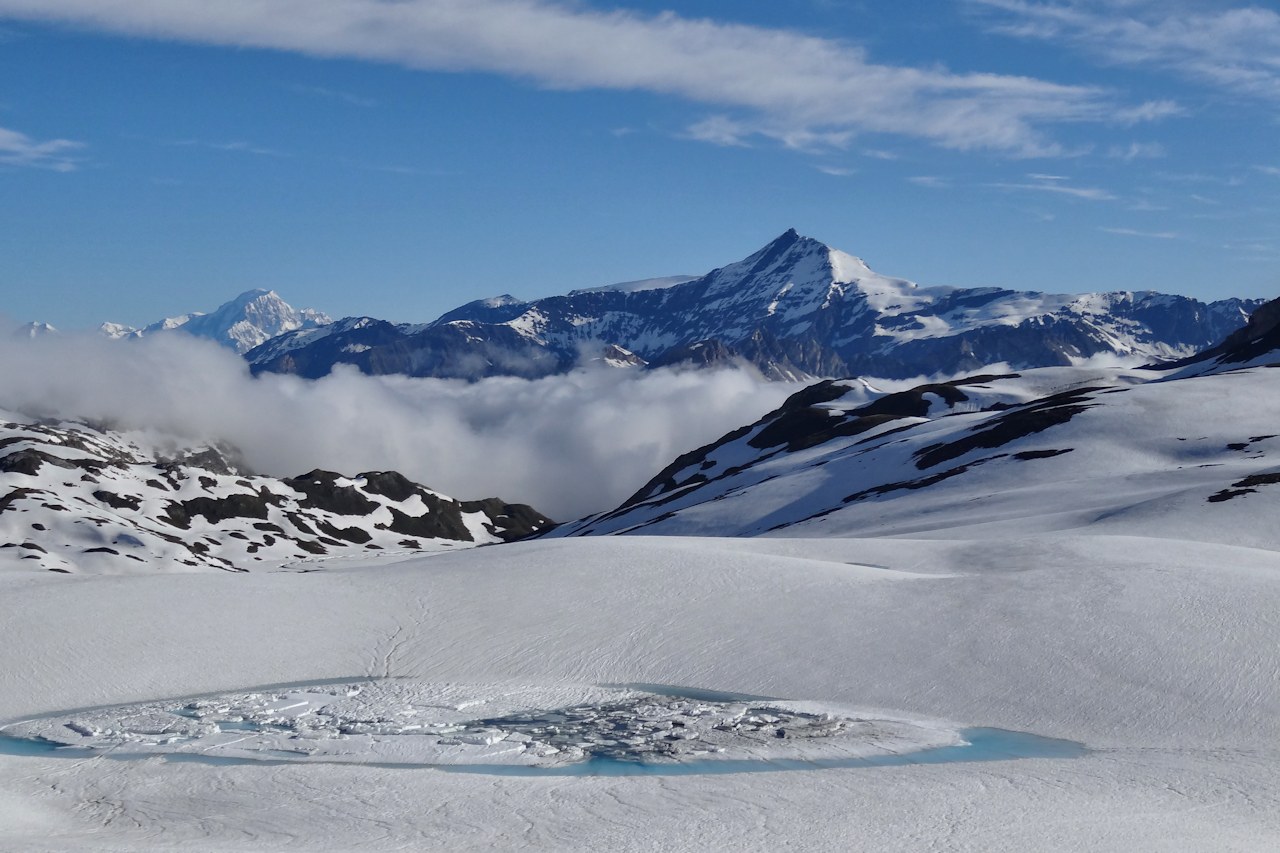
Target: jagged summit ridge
[[249, 320], [796, 308], [1257, 343]]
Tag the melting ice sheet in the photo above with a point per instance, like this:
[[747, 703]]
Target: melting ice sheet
[[516, 730]]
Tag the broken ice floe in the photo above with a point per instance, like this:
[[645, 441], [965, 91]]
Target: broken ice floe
[[405, 722]]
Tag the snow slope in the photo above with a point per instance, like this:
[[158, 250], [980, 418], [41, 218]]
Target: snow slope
[[659, 283], [1045, 450], [76, 498]]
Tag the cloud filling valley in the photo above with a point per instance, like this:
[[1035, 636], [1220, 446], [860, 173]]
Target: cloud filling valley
[[569, 445]]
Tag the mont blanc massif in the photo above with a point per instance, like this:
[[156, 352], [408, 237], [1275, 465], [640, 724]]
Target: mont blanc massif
[[998, 573]]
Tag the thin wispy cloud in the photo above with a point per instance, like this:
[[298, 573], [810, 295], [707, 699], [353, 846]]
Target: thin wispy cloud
[[246, 148], [779, 83], [1148, 111], [720, 130], [334, 95], [234, 147], [58, 155], [932, 182], [804, 139], [1234, 47], [1259, 249], [408, 171], [1137, 151], [837, 171], [1151, 235], [1058, 188], [1222, 180], [1273, 171]]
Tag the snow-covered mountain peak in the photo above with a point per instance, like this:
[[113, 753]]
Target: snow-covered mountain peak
[[249, 296], [795, 279], [790, 250], [118, 331], [34, 329], [500, 301], [794, 308], [800, 269], [252, 318]]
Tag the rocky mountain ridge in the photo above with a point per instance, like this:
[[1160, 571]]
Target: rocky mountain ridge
[[81, 498], [1064, 447], [795, 309]]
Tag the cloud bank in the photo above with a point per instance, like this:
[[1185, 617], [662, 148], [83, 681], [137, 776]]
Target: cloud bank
[[798, 89], [569, 445], [1232, 47]]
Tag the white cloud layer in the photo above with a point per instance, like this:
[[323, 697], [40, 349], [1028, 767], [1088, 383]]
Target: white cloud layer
[[569, 445], [800, 89], [18, 149], [1232, 46]]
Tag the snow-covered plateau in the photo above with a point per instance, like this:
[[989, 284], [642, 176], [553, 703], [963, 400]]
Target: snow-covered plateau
[[1077, 554]]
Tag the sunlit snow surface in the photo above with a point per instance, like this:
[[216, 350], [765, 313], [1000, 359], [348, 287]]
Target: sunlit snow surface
[[1122, 595], [412, 722]]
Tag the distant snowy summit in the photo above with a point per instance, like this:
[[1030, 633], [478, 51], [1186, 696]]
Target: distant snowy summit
[[795, 309], [34, 330], [252, 318]]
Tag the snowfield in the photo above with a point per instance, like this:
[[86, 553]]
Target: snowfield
[[1083, 555], [1156, 654]]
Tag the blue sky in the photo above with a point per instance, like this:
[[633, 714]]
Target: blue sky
[[399, 158]]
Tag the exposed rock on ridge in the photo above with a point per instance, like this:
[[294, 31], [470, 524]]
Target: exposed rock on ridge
[[78, 499], [795, 309]]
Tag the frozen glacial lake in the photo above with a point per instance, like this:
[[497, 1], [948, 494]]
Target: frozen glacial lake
[[517, 730], [981, 744]]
